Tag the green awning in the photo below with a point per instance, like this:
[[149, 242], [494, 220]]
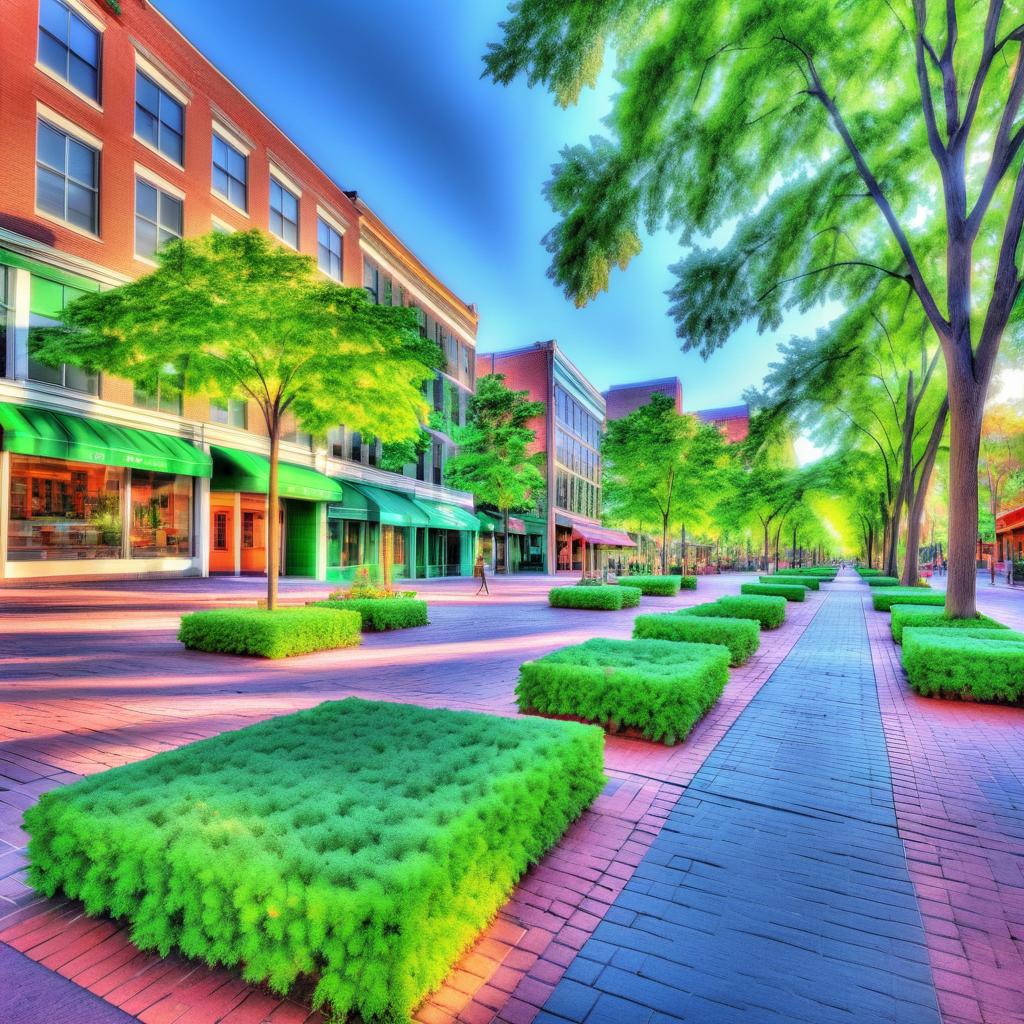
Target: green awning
[[487, 523], [393, 508], [355, 505], [15, 259], [235, 470], [62, 435], [443, 516]]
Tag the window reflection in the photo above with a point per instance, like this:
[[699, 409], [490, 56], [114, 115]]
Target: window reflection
[[161, 514]]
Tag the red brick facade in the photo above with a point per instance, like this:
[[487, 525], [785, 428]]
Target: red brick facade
[[525, 370], [622, 399], [24, 86], [733, 421]]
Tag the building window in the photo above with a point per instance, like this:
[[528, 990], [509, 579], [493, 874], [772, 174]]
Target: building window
[[357, 447], [371, 280], [233, 412], [63, 510], [345, 542], [284, 214], [164, 397], [336, 442], [70, 46], [67, 178], [388, 292], [5, 310], [296, 436], [328, 249], [47, 300], [158, 218], [230, 173], [159, 118], [161, 514], [220, 531]]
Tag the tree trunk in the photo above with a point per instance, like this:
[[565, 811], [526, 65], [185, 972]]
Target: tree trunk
[[966, 405], [664, 544], [274, 517], [871, 544], [508, 551], [766, 561], [682, 554], [915, 509], [778, 535]]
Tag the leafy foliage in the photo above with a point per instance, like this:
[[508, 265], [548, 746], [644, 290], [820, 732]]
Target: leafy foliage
[[904, 616], [810, 582], [884, 599], [365, 844], [882, 581], [609, 599], [660, 586], [656, 686], [280, 633], [741, 636], [790, 591], [769, 611], [381, 614], [950, 663]]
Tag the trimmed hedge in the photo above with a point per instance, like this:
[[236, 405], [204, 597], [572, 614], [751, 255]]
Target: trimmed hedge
[[631, 597], [741, 636], [379, 614], [657, 586], [769, 611], [886, 597], [825, 572], [882, 581], [945, 663], [865, 573], [926, 615], [659, 687], [277, 634], [607, 599], [790, 591], [687, 582], [808, 581], [366, 844]]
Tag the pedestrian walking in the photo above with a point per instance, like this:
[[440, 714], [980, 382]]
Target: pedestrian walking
[[480, 571]]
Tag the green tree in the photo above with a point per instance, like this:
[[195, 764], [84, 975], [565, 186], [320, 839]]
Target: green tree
[[850, 146], [494, 462], [659, 466], [236, 315]]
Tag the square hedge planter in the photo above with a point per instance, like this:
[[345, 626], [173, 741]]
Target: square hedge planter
[[362, 844], [278, 634], [379, 614], [952, 663], [741, 636], [658, 687]]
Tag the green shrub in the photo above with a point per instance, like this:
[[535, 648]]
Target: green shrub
[[380, 614], [657, 586], [945, 663], [806, 580], [366, 844], [604, 598], [883, 599], [656, 686], [864, 573], [926, 615], [277, 634], [687, 582], [741, 636], [882, 581], [769, 611], [631, 596], [825, 572], [790, 591]]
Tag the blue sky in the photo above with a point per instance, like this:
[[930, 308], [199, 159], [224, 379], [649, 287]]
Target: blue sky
[[387, 97]]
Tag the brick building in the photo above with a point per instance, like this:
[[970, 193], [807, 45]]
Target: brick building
[[118, 135], [732, 420], [568, 535], [622, 399], [1009, 545]]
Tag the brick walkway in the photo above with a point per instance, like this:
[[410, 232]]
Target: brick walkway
[[91, 677], [777, 890]]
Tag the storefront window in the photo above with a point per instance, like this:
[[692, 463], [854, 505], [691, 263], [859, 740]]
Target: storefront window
[[63, 510], [161, 514], [345, 542]]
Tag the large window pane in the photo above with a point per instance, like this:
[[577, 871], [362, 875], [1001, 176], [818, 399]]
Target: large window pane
[[159, 117], [161, 513], [70, 47], [66, 177], [230, 172], [63, 510], [158, 218], [329, 257]]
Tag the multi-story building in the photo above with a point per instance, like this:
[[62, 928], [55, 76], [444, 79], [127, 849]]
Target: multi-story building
[[567, 535], [622, 399], [118, 135], [732, 420]]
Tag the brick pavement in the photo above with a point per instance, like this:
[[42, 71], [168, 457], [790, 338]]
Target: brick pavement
[[777, 890], [92, 677]]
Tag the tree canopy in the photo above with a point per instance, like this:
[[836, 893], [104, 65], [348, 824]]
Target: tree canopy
[[239, 316]]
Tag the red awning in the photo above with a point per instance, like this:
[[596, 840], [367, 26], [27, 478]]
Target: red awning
[[516, 525], [602, 535]]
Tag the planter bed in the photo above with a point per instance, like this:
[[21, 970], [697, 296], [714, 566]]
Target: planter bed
[[808, 581], [379, 614], [948, 663], [609, 599], [361, 844], [657, 586], [277, 634], [927, 616], [790, 591], [769, 611], [741, 636], [882, 581], [886, 597], [658, 687]]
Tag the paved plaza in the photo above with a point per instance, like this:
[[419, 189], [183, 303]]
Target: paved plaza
[[825, 846]]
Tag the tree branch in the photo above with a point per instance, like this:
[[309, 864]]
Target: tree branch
[[833, 266]]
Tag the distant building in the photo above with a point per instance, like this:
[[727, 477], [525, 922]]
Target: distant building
[[732, 420], [622, 399], [1009, 544], [569, 534]]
